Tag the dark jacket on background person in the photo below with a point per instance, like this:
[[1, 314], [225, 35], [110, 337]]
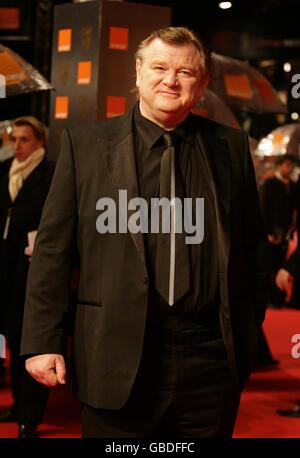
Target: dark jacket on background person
[[277, 204], [25, 214], [4, 167], [292, 264]]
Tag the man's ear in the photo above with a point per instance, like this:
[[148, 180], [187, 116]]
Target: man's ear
[[201, 89], [138, 65]]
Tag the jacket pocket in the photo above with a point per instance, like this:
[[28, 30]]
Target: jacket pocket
[[90, 303]]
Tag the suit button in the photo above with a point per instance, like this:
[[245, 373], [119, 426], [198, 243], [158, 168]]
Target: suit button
[[145, 280]]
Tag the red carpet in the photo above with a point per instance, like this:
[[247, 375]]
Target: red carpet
[[273, 389], [266, 391], [62, 417]]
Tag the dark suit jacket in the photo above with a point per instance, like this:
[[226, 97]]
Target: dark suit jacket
[[292, 265], [110, 319], [25, 217], [277, 203]]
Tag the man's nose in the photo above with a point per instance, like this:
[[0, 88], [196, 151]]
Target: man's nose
[[16, 144], [171, 78]]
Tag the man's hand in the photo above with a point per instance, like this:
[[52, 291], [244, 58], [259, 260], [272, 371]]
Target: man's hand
[[284, 281], [49, 369], [28, 251]]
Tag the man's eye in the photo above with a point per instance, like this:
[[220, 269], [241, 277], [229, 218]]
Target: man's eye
[[185, 73], [159, 67]]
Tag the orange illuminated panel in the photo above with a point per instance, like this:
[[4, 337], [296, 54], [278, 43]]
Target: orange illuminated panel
[[11, 69], [10, 18], [278, 138], [115, 106], [64, 40], [61, 107], [118, 38], [265, 91], [238, 86], [235, 124], [84, 71]]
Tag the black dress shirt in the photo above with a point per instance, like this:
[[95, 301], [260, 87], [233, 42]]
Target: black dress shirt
[[203, 297]]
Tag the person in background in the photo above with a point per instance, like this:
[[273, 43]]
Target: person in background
[[277, 198], [23, 191], [6, 157], [285, 281], [6, 149], [165, 332]]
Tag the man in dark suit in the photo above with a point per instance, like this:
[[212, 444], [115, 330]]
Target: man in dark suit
[[165, 333], [23, 191], [277, 198], [287, 278]]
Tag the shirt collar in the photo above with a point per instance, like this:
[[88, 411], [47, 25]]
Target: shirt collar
[[151, 132]]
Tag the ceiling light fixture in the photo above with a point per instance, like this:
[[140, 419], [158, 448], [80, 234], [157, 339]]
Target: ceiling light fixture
[[225, 5], [287, 67]]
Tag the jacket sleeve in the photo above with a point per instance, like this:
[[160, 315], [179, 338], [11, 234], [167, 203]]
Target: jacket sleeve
[[292, 264], [256, 242], [267, 205], [48, 283]]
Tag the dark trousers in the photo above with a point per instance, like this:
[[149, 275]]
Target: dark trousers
[[276, 260], [264, 355], [29, 396], [183, 387]]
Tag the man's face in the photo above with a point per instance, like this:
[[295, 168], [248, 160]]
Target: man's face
[[24, 142], [169, 82], [286, 168]]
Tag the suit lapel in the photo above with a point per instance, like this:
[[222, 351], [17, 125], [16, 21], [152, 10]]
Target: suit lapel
[[216, 156], [120, 161]]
